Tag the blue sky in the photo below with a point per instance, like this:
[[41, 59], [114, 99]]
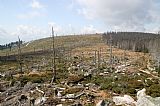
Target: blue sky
[[32, 19]]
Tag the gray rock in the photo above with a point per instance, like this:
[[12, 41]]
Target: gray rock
[[102, 103], [29, 86], [145, 100]]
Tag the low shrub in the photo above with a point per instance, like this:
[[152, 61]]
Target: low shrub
[[154, 90], [25, 79]]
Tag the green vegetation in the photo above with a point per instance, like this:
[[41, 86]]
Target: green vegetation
[[67, 42], [76, 63], [154, 90]]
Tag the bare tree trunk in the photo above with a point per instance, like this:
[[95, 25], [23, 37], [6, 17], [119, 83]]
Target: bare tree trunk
[[110, 60], [54, 66], [98, 58], [6, 57], [100, 54], [19, 55], [158, 64], [125, 57], [70, 54], [95, 58]]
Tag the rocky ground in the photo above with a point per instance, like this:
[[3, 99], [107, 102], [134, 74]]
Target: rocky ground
[[85, 76]]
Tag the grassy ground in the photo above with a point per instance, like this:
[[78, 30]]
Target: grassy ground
[[82, 52], [71, 41]]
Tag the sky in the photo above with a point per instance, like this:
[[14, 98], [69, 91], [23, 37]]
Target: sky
[[33, 19]]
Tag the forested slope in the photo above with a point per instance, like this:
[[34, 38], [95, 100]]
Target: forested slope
[[135, 41]]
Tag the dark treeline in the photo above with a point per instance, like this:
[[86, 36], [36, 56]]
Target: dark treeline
[[10, 45], [135, 41]]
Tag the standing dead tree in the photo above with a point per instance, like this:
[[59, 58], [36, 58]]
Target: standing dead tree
[[95, 57], [53, 59], [100, 54], [158, 62], [19, 55], [98, 59], [70, 54], [124, 57], [110, 44]]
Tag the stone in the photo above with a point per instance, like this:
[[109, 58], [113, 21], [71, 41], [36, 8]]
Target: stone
[[125, 100], [70, 95], [59, 94], [145, 100], [102, 103], [29, 86], [40, 100]]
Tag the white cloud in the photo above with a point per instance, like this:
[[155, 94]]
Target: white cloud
[[89, 29], [5, 36], [37, 10], [154, 29], [27, 32], [57, 28], [3, 32], [123, 14], [36, 4], [70, 29]]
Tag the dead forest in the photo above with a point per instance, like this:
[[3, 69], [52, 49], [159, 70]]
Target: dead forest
[[109, 69]]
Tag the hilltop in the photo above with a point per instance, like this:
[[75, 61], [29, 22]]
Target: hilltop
[[68, 42]]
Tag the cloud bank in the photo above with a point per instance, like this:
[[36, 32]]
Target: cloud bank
[[25, 32], [89, 29], [131, 15], [36, 4], [36, 11]]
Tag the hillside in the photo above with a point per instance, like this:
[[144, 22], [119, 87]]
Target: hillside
[[45, 44], [87, 71]]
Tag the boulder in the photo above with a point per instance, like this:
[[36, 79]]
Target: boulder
[[125, 100], [145, 100], [142, 100], [29, 86]]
